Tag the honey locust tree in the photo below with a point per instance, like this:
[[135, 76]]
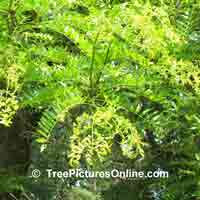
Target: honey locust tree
[[115, 83]]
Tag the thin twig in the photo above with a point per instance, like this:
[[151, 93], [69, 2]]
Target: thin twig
[[92, 62], [104, 64], [13, 196], [26, 196]]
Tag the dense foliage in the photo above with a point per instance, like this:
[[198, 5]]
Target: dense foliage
[[108, 84]]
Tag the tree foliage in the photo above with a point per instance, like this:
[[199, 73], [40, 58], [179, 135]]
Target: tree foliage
[[94, 71]]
